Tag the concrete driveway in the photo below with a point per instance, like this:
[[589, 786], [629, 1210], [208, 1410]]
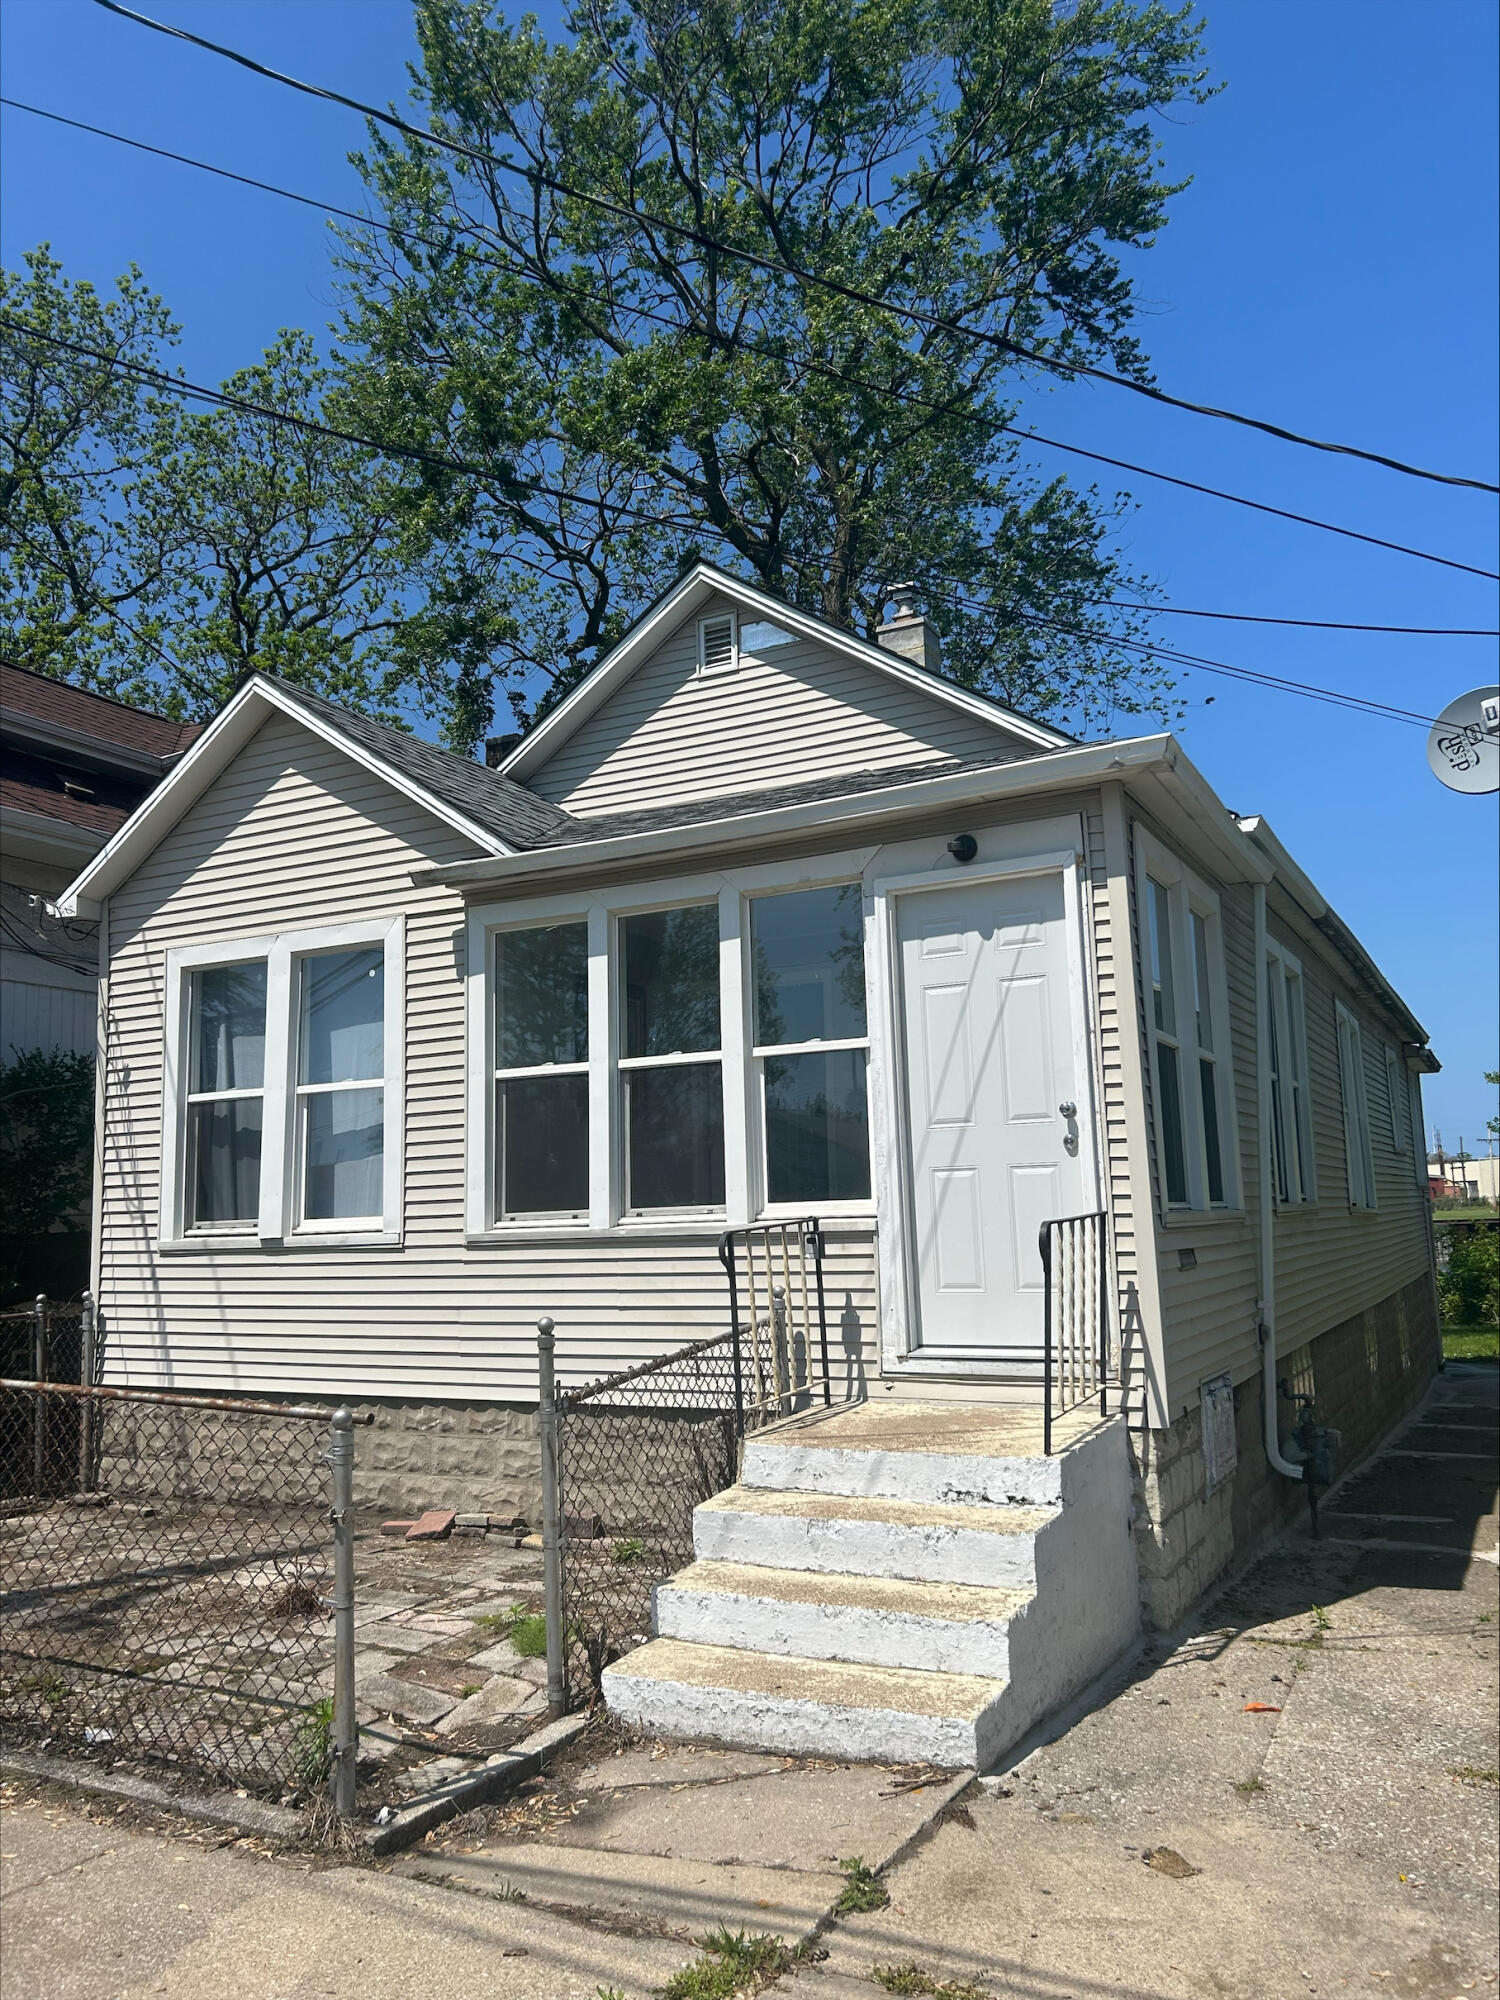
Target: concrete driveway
[[1297, 1796]]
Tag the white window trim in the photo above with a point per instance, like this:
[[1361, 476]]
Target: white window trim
[[1398, 1094], [1355, 1098], [1303, 1184], [705, 671], [276, 1226], [1188, 895], [744, 1141]]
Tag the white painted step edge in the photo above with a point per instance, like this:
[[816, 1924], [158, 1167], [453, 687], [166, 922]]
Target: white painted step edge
[[827, 1729], [930, 1551], [813, 1630], [942, 1479]]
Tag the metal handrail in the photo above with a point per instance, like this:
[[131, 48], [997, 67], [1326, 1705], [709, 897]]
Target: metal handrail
[[780, 1363], [1076, 1351]]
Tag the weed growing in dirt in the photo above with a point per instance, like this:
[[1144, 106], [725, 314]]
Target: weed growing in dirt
[[732, 1962], [312, 1743], [525, 1629], [912, 1979], [627, 1552], [1473, 1774], [296, 1597], [1248, 1787], [862, 1890]]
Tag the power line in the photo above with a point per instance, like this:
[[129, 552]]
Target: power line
[[527, 489], [1315, 624], [853, 294], [738, 340], [1384, 711]]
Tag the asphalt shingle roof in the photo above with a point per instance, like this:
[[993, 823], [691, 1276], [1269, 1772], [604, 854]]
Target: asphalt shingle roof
[[500, 806]]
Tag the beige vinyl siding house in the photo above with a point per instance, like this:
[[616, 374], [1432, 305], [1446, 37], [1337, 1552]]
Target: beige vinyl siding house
[[764, 921]]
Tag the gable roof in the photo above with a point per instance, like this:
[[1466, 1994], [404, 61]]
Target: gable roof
[[41, 709], [679, 603], [497, 815]]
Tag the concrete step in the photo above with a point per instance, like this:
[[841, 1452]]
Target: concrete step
[[952, 1628], [941, 1455], [842, 1535], [749, 1700]]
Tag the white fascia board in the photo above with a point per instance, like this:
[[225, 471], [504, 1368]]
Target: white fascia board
[[699, 583], [1063, 770], [1335, 931], [203, 760]]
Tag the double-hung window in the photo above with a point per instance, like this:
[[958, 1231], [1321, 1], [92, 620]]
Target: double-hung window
[[1358, 1155], [1187, 1017], [700, 1060], [1291, 1124], [541, 1117], [224, 1115], [282, 1106], [671, 1068], [811, 1044]]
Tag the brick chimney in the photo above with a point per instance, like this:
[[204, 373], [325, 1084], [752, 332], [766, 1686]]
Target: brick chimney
[[908, 632]]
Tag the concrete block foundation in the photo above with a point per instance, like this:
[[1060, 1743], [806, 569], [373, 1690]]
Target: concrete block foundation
[[1366, 1374]]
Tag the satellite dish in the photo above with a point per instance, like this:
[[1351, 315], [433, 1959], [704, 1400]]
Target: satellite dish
[[1463, 746]]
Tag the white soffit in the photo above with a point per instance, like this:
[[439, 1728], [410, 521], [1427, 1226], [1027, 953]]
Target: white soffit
[[683, 599], [228, 733]]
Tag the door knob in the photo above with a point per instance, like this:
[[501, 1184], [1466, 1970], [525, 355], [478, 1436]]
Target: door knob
[[1068, 1109]]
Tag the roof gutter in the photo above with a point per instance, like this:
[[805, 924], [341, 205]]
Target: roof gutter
[[1057, 770], [1306, 893]]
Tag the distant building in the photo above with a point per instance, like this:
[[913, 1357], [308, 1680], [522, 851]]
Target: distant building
[[73, 767], [1463, 1180]]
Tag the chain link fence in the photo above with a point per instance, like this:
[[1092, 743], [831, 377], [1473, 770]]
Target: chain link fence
[[165, 1570], [636, 1454]]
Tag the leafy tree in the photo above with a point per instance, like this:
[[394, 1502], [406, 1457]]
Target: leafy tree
[[1492, 1078], [46, 1136], [157, 552], [1469, 1284], [985, 162]]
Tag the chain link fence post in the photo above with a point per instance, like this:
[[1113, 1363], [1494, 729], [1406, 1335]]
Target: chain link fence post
[[39, 1416], [557, 1672], [340, 1457], [86, 1377]]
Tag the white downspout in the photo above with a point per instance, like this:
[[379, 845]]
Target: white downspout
[[1265, 1308]]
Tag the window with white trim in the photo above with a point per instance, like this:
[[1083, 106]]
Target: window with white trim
[[1398, 1094], [1291, 1123], [283, 1099], [1187, 1022], [225, 1110], [1358, 1156], [811, 1045], [671, 1074], [541, 1078], [683, 1061]]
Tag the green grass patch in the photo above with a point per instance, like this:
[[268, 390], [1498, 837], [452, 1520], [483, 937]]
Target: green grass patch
[[1471, 1343], [1473, 1774], [862, 1890], [627, 1552], [731, 1963]]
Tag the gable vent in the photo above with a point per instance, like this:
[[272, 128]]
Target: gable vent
[[715, 645]]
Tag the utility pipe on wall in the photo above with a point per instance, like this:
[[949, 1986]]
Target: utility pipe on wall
[[1266, 1305]]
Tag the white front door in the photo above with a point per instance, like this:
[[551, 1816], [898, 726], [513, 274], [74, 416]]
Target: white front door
[[993, 1105]]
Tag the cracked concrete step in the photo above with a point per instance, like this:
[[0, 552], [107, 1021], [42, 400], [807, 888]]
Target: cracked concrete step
[[955, 1628], [852, 1536], [824, 1707], [941, 1454]]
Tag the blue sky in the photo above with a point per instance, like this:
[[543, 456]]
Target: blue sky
[[1332, 266]]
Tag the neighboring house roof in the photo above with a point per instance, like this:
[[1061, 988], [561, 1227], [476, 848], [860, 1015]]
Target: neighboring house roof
[[43, 709], [704, 581], [74, 765]]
